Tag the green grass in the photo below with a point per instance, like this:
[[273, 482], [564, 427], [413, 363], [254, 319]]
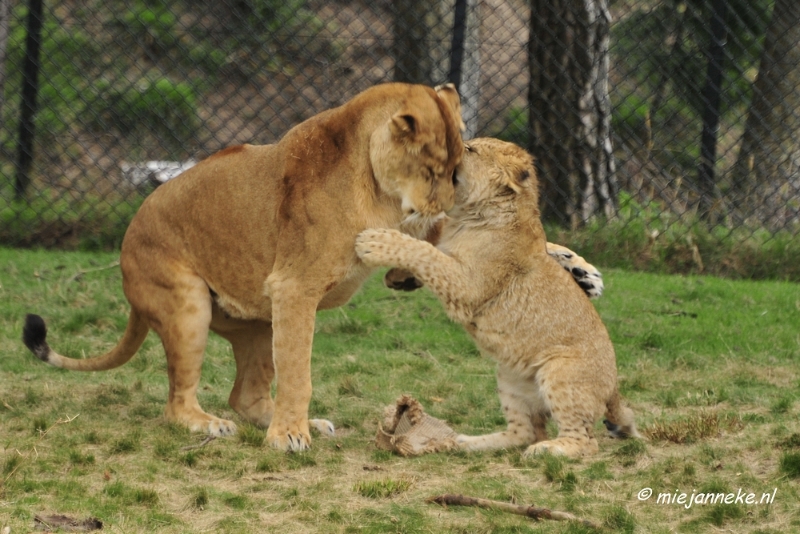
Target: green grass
[[652, 238], [710, 367]]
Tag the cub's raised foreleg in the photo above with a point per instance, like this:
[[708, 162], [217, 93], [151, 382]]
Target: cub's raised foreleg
[[445, 276]]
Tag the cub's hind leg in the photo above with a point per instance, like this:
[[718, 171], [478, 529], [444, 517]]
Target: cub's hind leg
[[515, 398], [573, 405], [539, 418]]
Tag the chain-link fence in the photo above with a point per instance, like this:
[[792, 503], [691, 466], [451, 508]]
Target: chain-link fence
[[694, 103]]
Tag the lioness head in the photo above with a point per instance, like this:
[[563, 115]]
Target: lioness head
[[493, 171], [414, 155]]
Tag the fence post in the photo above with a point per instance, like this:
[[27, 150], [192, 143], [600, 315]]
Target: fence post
[[30, 88], [4, 16], [465, 61], [457, 47], [712, 93]]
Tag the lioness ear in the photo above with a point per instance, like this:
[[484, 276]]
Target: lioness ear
[[403, 124], [449, 94]]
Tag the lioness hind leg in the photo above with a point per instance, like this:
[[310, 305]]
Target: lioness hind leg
[[251, 341], [585, 274], [515, 399], [182, 322], [251, 396]]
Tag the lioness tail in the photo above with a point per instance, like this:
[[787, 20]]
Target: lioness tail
[[34, 335]]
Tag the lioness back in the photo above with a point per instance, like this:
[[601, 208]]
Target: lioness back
[[221, 220]]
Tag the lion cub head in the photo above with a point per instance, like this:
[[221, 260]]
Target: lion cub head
[[415, 155], [497, 180]]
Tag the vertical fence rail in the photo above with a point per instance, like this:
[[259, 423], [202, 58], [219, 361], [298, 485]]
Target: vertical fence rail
[[30, 89]]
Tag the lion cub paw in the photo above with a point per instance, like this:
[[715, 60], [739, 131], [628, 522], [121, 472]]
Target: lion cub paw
[[469, 443], [561, 447], [323, 426], [544, 447], [584, 273], [377, 246]]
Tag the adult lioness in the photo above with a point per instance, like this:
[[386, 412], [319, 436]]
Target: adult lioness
[[254, 239], [493, 274]]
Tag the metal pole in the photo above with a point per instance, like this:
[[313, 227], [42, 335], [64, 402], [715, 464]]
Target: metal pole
[[30, 88], [712, 96], [457, 47]]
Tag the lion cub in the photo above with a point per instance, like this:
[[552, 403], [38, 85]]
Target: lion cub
[[493, 274]]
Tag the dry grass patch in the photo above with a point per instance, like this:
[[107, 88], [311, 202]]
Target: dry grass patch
[[693, 428]]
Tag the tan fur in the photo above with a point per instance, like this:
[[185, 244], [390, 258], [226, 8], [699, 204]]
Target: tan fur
[[492, 272], [584, 273], [254, 239]]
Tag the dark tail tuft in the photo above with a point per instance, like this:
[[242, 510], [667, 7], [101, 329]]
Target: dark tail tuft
[[613, 429], [34, 335]]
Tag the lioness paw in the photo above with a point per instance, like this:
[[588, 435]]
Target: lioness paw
[[585, 274], [214, 427], [323, 426], [288, 439]]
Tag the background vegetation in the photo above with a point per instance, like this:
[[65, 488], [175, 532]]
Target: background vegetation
[[122, 83]]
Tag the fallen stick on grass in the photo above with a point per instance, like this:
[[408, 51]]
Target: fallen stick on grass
[[81, 272], [206, 441], [534, 512]]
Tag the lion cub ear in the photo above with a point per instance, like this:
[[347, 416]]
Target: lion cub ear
[[521, 180], [403, 125], [449, 94]]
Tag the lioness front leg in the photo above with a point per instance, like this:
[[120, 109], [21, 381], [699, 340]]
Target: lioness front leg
[[443, 275], [293, 315]]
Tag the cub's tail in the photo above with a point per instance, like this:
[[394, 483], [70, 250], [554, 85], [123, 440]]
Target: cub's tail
[[619, 419], [34, 335]]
